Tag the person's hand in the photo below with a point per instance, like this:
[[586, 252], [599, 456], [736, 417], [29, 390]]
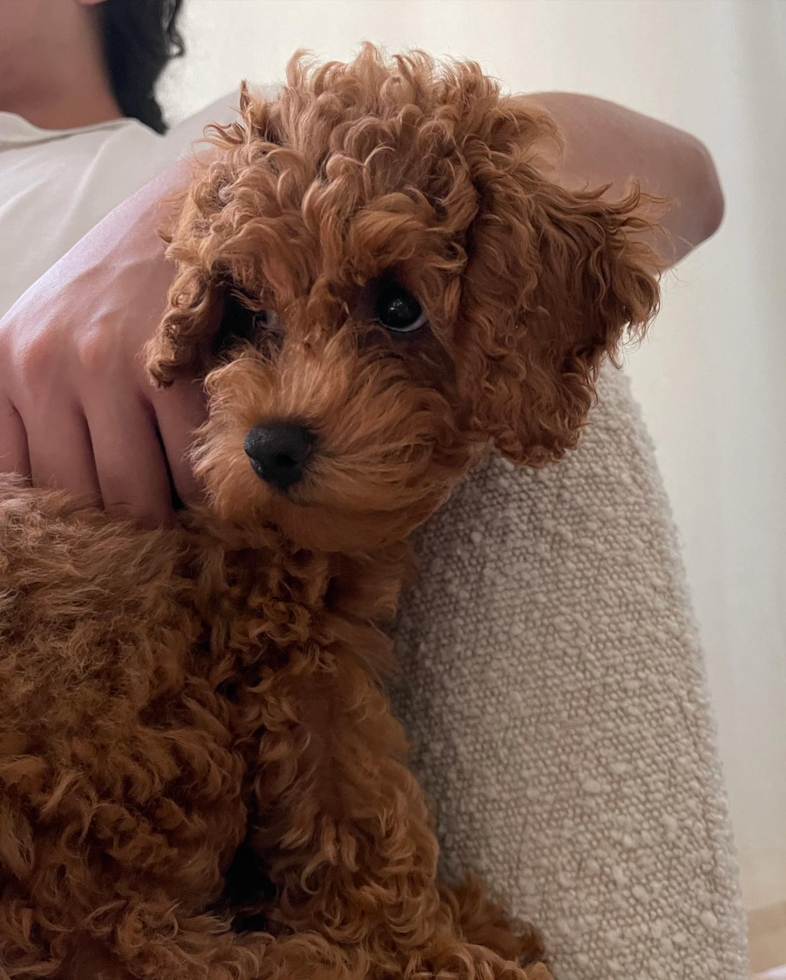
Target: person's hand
[[77, 410]]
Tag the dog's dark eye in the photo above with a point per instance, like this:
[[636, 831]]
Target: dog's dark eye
[[396, 309], [239, 321]]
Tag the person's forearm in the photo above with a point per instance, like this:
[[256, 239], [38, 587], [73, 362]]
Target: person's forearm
[[131, 231], [606, 143]]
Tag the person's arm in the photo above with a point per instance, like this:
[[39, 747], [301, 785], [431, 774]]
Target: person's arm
[[77, 410], [607, 143]]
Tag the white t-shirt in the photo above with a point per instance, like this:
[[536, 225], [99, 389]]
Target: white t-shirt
[[55, 185]]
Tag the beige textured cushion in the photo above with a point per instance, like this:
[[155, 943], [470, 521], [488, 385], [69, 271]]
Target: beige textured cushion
[[553, 688]]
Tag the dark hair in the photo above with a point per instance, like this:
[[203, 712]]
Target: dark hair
[[140, 37]]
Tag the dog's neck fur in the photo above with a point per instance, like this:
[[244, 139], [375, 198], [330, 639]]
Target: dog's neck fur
[[292, 593]]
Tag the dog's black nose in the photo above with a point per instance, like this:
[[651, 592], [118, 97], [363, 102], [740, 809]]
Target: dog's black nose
[[279, 452]]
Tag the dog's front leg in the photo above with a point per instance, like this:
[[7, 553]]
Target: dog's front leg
[[344, 831], [339, 822]]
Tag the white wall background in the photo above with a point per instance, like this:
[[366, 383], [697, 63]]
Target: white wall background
[[712, 376]]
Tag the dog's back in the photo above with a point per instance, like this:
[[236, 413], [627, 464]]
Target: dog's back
[[116, 750]]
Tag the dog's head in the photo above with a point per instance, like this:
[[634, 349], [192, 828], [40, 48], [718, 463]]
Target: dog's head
[[377, 279]]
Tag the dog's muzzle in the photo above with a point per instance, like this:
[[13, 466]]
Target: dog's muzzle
[[279, 452]]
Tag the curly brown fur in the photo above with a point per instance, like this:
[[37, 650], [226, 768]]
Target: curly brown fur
[[199, 773]]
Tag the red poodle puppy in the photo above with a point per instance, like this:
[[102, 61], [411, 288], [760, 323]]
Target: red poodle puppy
[[200, 776]]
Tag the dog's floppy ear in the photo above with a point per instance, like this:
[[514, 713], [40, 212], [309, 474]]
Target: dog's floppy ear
[[206, 216], [183, 343], [554, 281]]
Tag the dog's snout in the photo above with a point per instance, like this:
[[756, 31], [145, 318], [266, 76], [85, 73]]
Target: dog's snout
[[279, 452]]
